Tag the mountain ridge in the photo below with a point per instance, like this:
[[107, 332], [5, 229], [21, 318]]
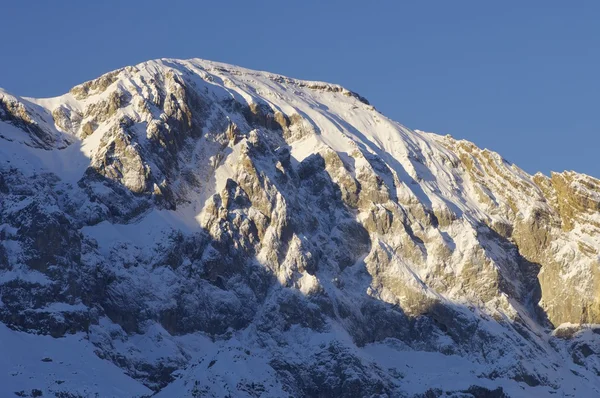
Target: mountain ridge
[[221, 215]]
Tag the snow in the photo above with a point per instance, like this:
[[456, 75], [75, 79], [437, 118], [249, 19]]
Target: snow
[[32, 362], [26, 275], [154, 227], [419, 168]]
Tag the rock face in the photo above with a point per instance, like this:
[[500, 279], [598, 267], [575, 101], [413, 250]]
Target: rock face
[[216, 231]]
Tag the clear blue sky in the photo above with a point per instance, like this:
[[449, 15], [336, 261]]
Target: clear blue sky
[[518, 77]]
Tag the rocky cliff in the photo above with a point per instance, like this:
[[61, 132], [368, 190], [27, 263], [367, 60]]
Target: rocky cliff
[[201, 230]]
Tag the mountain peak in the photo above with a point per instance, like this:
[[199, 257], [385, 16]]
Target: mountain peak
[[214, 230]]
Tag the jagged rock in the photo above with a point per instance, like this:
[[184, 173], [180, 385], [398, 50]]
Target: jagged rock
[[225, 231]]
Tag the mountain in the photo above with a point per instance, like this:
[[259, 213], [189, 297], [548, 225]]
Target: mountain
[[196, 229]]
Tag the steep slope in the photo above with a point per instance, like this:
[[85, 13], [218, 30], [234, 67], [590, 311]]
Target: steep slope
[[213, 230]]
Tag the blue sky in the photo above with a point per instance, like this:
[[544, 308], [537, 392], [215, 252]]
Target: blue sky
[[517, 77]]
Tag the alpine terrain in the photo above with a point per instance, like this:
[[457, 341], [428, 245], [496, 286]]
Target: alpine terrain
[[196, 229]]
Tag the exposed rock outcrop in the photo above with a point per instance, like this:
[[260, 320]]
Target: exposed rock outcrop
[[213, 230]]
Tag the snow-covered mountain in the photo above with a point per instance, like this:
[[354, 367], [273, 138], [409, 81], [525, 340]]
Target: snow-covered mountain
[[196, 229]]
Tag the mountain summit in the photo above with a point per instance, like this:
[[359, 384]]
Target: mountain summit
[[197, 229]]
